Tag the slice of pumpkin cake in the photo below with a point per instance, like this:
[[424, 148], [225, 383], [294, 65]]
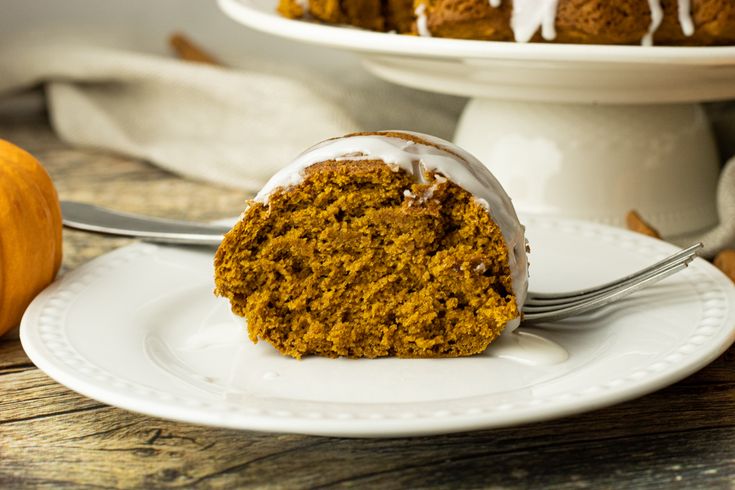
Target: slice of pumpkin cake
[[377, 244]]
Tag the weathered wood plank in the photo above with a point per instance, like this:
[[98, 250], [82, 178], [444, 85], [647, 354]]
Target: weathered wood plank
[[162, 453], [115, 448], [30, 395], [591, 464], [12, 356]]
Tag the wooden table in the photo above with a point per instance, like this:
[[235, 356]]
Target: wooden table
[[50, 437]]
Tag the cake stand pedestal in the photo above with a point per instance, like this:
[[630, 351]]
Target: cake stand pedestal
[[578, 131], [598, 162]]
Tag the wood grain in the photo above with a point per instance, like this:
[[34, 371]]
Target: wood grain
[[50, 437], [12, 357]]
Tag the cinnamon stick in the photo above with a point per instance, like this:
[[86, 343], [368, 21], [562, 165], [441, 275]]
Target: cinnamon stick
[[187, 50], [725, 261], [636, 223]]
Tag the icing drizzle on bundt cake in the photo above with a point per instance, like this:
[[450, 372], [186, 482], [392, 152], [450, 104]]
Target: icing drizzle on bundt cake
[[530, 16], [685, 17], [621, 22], [657, 16], [439, 156]]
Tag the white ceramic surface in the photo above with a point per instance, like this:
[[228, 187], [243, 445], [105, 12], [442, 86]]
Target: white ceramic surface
[[139, 328], [534, 71], [598, 162]]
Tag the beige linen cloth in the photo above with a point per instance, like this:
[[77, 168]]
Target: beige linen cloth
[[235, 127]]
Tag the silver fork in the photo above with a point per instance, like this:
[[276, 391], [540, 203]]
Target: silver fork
[[539, 307], [549, 307]]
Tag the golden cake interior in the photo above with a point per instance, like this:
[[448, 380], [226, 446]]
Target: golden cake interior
[[360, 260]]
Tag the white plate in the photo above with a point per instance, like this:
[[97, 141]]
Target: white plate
[[140, 329], [516, 71]]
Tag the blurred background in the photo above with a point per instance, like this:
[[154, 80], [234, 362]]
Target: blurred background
[[145, 26]]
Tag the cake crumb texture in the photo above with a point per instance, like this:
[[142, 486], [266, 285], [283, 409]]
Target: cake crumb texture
[[360, 260]]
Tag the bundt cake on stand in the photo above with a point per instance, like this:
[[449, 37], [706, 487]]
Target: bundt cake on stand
[[586, 120], [665, 22]]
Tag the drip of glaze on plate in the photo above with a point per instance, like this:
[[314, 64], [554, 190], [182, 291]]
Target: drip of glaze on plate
[[528, 349], [415, 158]]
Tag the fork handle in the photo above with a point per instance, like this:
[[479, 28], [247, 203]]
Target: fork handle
[[92, 218]]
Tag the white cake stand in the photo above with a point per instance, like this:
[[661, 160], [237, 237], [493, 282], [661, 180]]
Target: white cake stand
[[578, 131]]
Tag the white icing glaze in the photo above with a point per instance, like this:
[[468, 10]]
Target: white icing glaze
[[529, 15], [685, 17], [416, 158], [657, 15], [421, 21], [528, 349]]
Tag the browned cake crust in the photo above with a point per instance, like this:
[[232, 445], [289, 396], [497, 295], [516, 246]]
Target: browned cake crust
[[399, 15], [376, 15], [368, 14], [577, 21], [359, 260]]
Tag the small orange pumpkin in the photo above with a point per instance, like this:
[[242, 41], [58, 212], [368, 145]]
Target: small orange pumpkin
[[30, 232]]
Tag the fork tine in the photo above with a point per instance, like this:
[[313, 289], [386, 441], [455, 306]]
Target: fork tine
[[687, 252], [600, 301], [561, 304], [641, 275]]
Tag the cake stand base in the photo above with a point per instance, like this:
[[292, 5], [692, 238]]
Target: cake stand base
[[597, 162]]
